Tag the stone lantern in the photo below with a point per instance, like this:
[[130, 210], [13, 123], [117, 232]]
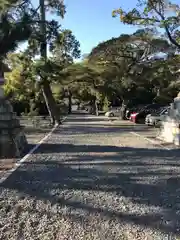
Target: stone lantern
[[12, 138]]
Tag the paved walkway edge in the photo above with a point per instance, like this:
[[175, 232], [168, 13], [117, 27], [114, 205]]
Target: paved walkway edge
[[9, 172]]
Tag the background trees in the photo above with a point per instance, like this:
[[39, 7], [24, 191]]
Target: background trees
[[22, 21], [138, 65], [141, 67]]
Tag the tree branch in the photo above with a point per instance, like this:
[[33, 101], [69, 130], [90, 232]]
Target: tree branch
[[172, 40]]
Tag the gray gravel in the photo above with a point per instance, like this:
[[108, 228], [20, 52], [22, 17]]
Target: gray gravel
[[93, 180]]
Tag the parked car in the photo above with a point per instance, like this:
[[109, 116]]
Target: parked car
[[113, 112], [139, 116], [154, 119], [131, 110]]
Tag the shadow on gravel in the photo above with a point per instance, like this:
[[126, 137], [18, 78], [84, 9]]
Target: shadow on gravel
[[122, 152], [145, 176], [99, 128], [88, 120]]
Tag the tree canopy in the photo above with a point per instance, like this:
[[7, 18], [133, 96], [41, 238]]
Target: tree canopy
[[155, 14], [141, 67]]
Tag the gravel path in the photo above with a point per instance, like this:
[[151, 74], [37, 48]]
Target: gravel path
[[92, 180]]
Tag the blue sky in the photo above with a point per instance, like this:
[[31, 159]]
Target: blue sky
[[91, 21]]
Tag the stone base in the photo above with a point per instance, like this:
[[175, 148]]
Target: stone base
[[170, 133], [12, 144], [12, 138]]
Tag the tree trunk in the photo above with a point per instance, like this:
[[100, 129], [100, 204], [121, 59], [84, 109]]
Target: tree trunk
[[69, 102], [46, 89], [78, 106], [50, 103], [95, 107], [123, 109]]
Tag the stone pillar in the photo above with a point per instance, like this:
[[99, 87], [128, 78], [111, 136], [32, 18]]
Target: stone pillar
[[12, 139], [170, 131]]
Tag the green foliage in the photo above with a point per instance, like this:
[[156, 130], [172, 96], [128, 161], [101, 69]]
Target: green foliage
[[131, 69], [160, 14], [65, 48], [123, 68], [11, 33], [132, 48], [51, 28], [58, 92], [20, 21], [84, 80], [16, 84]]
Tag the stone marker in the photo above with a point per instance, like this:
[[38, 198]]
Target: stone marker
[[12, 137], [170, 131]]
